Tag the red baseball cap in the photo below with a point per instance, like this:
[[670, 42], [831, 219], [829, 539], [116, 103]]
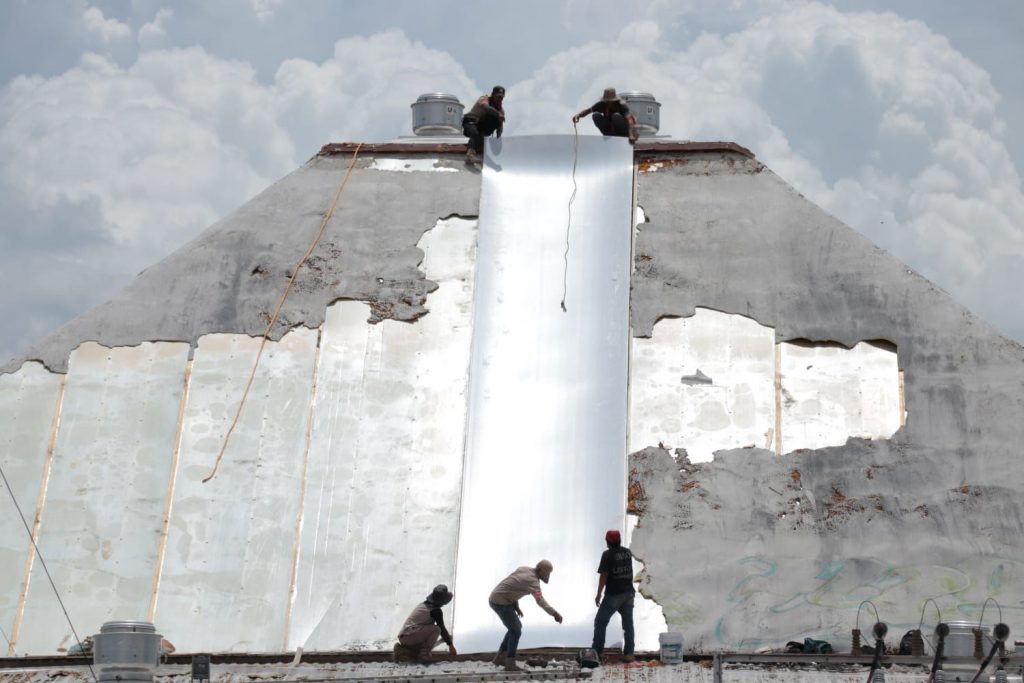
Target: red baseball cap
[[613, 536]]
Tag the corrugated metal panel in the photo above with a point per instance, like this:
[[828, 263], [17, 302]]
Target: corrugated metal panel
[[230, 546], [28, 399], [104, 503], [385, 470], [703, 383], [545, 453]]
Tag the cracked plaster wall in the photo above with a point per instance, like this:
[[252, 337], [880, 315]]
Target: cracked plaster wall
[[757, 549], [229, 279]]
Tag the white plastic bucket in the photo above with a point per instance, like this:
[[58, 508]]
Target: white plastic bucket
[[671, 647]]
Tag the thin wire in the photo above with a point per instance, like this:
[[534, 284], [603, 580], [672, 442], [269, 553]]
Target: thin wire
[[280, 305], [866, 602], [984, 605], [45, 568], [568, 226], [921, 622], [4, 633]]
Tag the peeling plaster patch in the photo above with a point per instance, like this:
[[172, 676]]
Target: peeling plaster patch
[[826, 393], [833, 393], [734, 411], [410, 165]]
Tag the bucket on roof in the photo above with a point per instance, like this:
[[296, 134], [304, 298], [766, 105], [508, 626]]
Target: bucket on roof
[[437, 113], [671, 647], [646, 109]]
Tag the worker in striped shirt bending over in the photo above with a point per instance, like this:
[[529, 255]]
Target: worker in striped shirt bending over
[[504, 601]]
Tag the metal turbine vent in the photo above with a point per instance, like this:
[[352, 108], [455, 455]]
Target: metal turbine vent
[[646, 109], [126, 651], [437, 113]]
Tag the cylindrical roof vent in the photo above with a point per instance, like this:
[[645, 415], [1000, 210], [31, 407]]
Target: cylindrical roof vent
[[646, 110], [127, 651], [436, 113]]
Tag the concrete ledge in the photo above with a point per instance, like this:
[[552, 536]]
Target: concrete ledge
[[643, 147]]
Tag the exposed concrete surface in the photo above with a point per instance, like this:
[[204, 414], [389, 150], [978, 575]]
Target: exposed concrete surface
[[755, 549], [638, 672], [230, 278]]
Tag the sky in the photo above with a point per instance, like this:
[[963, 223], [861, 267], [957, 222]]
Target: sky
[[128, 127]]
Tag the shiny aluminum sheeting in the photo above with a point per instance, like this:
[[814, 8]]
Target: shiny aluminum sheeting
[[545, 471], [381, 507], [100, 528], [28, 399]]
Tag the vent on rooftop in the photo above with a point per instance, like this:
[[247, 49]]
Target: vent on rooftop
[[437, 113], [646, 109]]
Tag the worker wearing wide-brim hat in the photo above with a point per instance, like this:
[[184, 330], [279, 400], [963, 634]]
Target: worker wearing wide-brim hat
[[423, 627], [611, 115]]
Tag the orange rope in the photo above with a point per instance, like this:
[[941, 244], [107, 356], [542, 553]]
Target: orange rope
[[280, 305]]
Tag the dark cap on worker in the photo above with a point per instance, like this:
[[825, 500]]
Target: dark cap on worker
[[440, 596], [498, 91], [613, 537]]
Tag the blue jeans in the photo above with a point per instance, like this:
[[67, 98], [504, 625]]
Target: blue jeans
[[623, 604], [508, 616]]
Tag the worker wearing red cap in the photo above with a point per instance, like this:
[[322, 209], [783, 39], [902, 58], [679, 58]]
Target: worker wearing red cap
[[616, 582]]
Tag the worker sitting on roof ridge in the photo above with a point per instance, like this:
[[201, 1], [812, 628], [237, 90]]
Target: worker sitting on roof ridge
[[487, 116], [504, 600], [616, 582], [425, 623], [611, 115]]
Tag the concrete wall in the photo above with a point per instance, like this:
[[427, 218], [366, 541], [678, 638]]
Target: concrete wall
[[754, 548], [834, 427]]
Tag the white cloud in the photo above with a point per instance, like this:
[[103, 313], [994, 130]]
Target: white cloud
[[264, 9], [109, 31], [154, 32]]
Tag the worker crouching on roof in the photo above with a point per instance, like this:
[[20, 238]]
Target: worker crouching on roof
[[504, 601], [421, 630], [611, 116], [616, 582], [487, 116]]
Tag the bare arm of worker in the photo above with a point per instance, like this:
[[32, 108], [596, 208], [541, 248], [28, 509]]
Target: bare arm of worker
[[546, 607], [583, 112], [601, 583], [632, 129]]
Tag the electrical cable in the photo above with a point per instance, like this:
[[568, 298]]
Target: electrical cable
[[45, 568], [280, 305], [568, 226], [4, 634]]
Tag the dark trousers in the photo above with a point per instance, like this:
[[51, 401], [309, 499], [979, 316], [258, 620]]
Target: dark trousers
[[508, 616], [623, 604], [476, 131], [615, 124]]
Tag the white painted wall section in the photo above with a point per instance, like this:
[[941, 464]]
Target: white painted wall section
[[830, 393], [28, 401], [380, 521], [709, 382], [230, 546], [703, 383], [104, 504]]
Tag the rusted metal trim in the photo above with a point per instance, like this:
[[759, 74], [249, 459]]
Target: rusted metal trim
[[676, 147], [165, 524], [44, 484], [333, 148], [302, 492], [640, 148]]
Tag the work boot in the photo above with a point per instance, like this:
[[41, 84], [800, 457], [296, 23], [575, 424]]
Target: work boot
[[471, 157], [627, 659], [402, 654], [510, 665], [499, 657], [425, 658]]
